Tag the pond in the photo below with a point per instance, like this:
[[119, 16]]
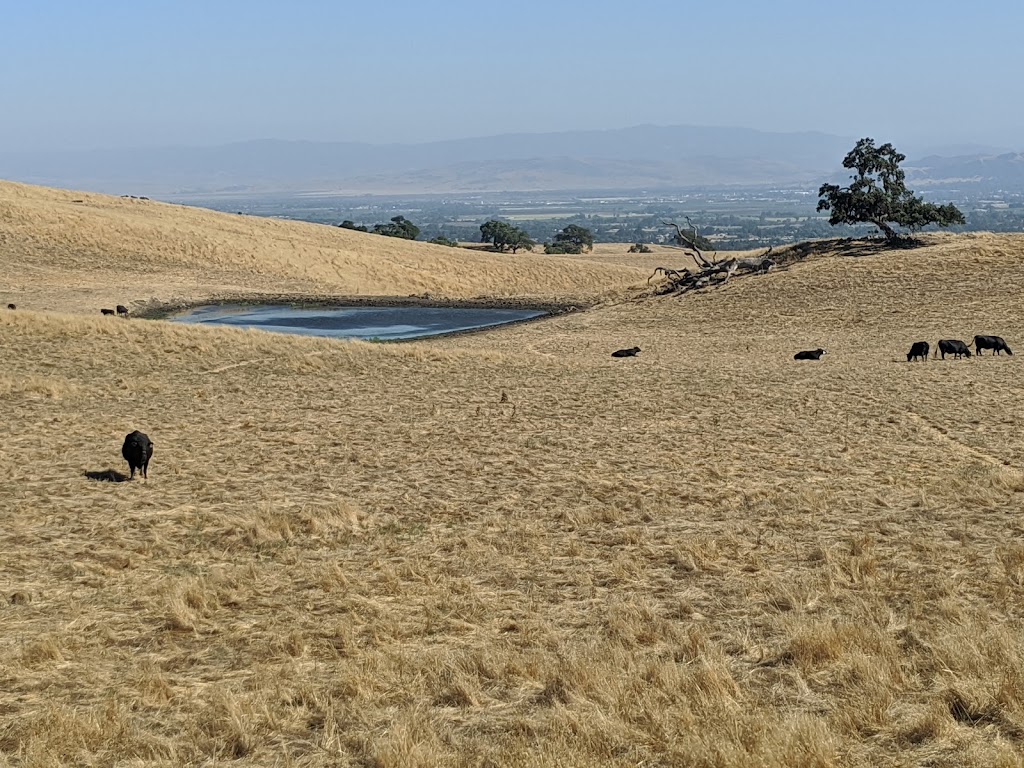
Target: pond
[[382, 323]]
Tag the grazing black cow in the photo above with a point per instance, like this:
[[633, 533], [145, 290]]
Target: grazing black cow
[[953, 347], [995, 343], [137, 451], [122, 310], [11, 306], [106, 311], [809, 354], [918, 351], [626, 352]]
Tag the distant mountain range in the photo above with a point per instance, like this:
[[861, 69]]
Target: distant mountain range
[[1002, 171], [643, 157]]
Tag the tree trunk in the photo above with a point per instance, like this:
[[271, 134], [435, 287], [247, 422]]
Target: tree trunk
[[890, 233]]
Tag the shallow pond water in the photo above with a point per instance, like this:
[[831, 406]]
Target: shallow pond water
[[384, 323]]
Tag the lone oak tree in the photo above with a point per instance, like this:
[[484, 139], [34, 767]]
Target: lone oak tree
[[877, 194], [503, 236], [572, 239], [398, 227]]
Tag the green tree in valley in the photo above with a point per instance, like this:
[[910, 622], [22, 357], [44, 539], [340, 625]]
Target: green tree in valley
[[572, 239], [398, 227], [505, 237], [442, 240], [349, 224], [878, 195]]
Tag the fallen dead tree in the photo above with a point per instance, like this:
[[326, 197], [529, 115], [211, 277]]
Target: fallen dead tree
[[710, 271]]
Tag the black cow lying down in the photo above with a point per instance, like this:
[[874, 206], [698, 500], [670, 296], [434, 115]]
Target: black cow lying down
[[626, 352], [918, 351], [809, 354], [953, 347], [137, 451], [995, 343]]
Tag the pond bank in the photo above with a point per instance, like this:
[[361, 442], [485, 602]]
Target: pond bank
[[164, 310], [382, 319]]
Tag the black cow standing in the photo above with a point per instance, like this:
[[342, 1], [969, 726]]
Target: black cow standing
[[106, 311], [953, 347], [626, 352], [122, 310], [995, 343], [137, 451], [809, 354], [918, 351]]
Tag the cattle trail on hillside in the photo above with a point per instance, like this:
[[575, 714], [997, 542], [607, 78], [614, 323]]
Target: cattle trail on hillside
[[940, 435]]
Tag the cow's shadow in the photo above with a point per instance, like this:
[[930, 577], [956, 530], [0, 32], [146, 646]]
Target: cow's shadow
[[107, 475]]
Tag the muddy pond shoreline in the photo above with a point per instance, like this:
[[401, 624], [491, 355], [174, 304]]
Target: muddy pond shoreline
[[173, 310]]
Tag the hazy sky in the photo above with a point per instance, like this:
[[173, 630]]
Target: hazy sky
[[115, 73]]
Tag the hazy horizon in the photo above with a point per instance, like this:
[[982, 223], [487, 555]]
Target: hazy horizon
[[966, 146], [132, 75]]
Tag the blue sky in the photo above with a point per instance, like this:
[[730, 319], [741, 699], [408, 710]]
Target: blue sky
[[111, 73]]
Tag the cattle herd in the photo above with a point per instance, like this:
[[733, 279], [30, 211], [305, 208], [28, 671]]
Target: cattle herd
[[138, 448], [121, 310], [958, 349], [919, 349]]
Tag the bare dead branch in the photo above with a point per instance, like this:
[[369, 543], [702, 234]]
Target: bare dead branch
[[691, 243], [671, 274]]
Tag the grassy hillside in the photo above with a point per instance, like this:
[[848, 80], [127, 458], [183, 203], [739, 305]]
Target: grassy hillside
[[510, 549], [79, 251]]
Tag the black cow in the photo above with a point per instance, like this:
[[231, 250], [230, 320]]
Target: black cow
[[106, 311], [11, 306], [626, 352], [995, 343], [919, 351], [137, 451], [809, 354], [953, 347], [122, 310]]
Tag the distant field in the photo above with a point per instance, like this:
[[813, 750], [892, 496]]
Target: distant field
[[505, 549]]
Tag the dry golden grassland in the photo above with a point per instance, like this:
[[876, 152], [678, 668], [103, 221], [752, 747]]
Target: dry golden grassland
[[356, 554], [80, 251]]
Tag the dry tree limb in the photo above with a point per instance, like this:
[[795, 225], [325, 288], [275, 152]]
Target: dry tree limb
[[712, 273], [685, 241], [671, 274]]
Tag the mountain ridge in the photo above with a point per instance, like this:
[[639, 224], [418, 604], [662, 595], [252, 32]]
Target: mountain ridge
[[638, 157], [674, 155]]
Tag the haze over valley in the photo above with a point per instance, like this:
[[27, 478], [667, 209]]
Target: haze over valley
[[639, 158]]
